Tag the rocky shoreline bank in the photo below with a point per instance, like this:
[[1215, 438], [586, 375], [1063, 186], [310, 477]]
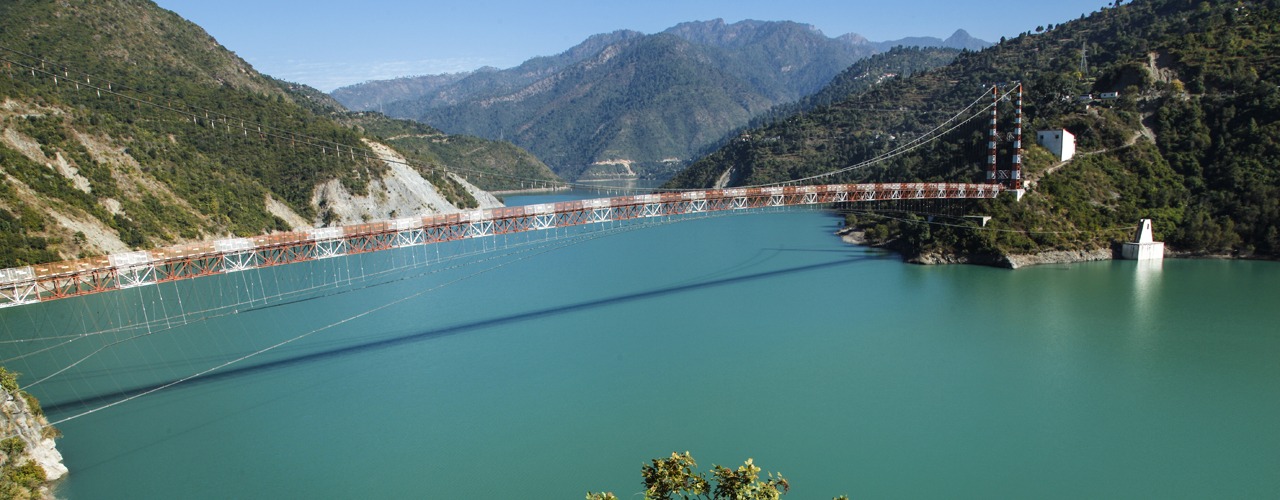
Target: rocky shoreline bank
[[1007, 261], [1017, 261], [28, 439]]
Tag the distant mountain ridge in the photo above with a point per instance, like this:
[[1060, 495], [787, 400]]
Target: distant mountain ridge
[[626, 104], [452, 88], [960, 40]]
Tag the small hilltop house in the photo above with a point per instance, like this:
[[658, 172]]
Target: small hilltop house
[[1060, 142]]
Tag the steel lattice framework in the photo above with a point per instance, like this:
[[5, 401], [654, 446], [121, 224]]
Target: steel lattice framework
[[25, 285]]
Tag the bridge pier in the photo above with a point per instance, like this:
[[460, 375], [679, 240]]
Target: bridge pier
[[1144, 248]]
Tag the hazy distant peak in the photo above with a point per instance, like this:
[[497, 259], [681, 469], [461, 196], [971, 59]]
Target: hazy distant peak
[[961, 39], [595, 43], [717, 32], [613, 36], [853, 39]]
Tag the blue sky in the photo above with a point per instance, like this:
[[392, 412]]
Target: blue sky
[[330, 43]]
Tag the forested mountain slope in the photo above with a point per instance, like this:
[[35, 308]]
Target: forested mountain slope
[[1192, 139], [489, 165], [123, 126]]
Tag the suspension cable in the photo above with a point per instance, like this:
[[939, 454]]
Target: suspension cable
[[902, 149]]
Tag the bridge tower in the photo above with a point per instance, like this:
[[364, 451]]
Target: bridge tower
[[1015, 177], [991, 142], [1011, 178]]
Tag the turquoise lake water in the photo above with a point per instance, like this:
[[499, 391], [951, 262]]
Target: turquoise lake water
[[554, 371]]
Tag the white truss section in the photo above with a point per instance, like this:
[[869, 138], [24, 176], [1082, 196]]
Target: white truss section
[[18, 286], [133, 269], [411, 237], [544, 221], [239, 261], [130, 277], [601, 214], [480, 229]]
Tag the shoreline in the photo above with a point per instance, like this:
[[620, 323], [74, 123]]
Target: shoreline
[[1018, 261]]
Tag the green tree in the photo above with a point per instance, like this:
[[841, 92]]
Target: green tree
[[666, 478], [744, 483], [677, 477]]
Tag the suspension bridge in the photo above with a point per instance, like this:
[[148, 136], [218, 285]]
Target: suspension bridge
[[74, 348], [31, 284]]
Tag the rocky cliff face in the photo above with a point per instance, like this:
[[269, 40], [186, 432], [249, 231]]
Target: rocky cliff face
[[400, 192], [21, 419]]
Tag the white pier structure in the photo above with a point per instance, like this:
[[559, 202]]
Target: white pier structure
[[1143, 248]]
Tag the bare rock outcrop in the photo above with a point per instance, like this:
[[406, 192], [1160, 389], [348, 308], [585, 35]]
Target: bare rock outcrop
[[1014, 261], [401, 192], [21, 421]]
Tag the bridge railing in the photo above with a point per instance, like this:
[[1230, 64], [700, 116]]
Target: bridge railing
[[29, 284]]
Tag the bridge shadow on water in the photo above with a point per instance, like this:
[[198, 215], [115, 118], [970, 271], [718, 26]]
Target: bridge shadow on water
[[855, 256]]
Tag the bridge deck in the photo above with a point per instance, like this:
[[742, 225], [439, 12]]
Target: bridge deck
[[24, 285]]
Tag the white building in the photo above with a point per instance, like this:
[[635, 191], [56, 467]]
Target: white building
[[1060, 142]]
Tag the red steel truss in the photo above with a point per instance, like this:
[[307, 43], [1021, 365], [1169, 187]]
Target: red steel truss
[[57, 280]]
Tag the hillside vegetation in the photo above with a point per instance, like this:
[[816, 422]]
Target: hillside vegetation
[[489, 165], [1191, 141], [123, 126]]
